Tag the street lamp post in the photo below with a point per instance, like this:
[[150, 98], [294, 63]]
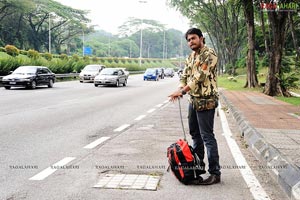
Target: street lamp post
[[164, 45], [49, 31], [141, 38], [49, 42], [82, 43], [141, 43]]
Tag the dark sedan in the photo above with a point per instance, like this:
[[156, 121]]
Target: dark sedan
[[29, 77]]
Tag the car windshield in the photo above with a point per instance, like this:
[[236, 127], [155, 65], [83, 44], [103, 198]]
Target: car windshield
[[25, 70], [150, 71], [108, 71], [91, 68]]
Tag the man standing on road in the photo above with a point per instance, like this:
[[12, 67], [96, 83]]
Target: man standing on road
[[199, 79]]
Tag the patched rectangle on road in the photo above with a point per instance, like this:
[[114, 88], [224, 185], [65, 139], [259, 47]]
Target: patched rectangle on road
[[128, 181]]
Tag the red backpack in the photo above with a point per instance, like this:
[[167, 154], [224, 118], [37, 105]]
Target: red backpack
[[184, 163]]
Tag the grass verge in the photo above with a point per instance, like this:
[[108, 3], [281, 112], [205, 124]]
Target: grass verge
[[237, 83]]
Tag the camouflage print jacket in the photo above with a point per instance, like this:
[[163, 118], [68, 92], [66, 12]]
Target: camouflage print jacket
[[200, 74]]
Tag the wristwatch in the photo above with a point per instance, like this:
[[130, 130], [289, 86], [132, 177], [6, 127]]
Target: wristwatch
[[183, 92]]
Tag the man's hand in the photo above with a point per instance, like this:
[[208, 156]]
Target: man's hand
[[173, 97]]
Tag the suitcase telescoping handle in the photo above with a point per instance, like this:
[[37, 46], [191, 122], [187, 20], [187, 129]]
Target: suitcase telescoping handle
[[184, 135]]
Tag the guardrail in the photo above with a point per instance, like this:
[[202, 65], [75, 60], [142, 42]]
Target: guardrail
[[69, 75]]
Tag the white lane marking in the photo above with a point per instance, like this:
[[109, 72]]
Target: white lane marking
[[140, 117], [50, 170], [96, 143], [168, 102], [121, 128], [151, 110], [256, 189], [159, 105]]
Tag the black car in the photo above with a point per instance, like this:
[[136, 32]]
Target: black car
[[29, 77]]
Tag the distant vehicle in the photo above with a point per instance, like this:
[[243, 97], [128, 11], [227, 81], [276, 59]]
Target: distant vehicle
[[111, 76], [169, 72], [161, 73], [89, 72], [29, 77], [151, 74], [179, 72]]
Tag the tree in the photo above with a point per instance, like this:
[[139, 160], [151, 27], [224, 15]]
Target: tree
[[133, 25], [293, 33], [26, 23], [251, 68], [278, 22], [222, 21]]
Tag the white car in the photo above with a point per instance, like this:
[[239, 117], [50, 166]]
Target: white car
[[111, 76], [125, 71], [89, 72]]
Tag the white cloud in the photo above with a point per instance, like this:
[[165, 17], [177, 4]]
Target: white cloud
[[110, 14]]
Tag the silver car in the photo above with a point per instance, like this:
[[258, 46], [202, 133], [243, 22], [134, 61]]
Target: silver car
[[89, 72], [111, 76], [126, 72], [169, 72]]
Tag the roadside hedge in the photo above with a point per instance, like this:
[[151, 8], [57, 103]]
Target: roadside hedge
[[11, 58]]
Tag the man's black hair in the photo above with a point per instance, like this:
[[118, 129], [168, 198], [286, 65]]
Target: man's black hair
[[193, 31]]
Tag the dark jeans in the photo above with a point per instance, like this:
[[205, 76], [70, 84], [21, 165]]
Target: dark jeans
[[201, 125]]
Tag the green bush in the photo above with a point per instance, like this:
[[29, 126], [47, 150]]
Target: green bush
[[64, 64], [33, 54], [63, 56], [79, 65], [12, 50], [48, 56], [109, 60], [86, 58], [102, 60], [2, 49], [290, 80], [40, 61], [264, 62], [75, 57], [8, 64], [57, 65], [95, 59], [23, 52]]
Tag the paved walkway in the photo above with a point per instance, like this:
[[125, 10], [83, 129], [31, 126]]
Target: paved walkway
[[272, 130]]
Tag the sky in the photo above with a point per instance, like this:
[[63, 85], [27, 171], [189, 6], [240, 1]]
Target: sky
[[108, 15]]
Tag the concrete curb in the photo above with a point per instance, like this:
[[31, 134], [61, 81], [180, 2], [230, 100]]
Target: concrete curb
[[288, 176]]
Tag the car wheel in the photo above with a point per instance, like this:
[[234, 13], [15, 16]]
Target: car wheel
[[118, 83], [96, 85], [125, 82], [50, 85], [81, 81], [33, 85], [7, 87]]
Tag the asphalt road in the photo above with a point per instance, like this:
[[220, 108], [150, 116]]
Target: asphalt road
[[41, 126], [44, 126]]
